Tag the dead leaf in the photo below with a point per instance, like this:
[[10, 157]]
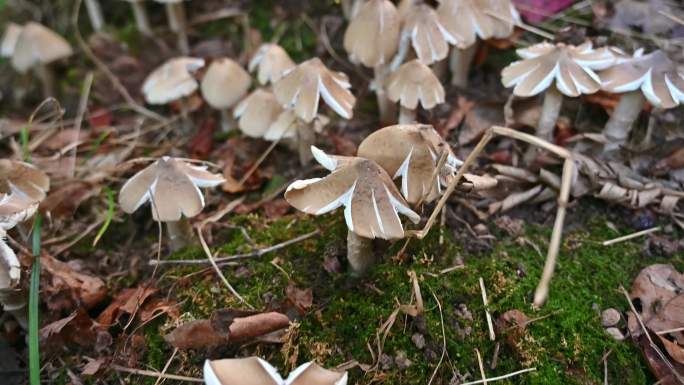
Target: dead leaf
[[276, 208], [479, 119], [99, 117], [128, 301], [302, 299], [202, 142], [156, 306], [67, 198], [457, 115], [92, 367], [76, 288], [343, 145], [77, 328]]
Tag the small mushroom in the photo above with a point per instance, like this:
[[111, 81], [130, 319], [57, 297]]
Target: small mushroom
[[95, 14], [9, 39], [411, 152], [411, 83], [172, 186], [654, 77], [371, 203], [23, 180], [36, 47], [256, 371], [571, 67], [223, 85], [142, 22], [380, 19], [175, 14], [257, 112], [301, 90], [173, 81], [468, 20], [422, 30], [271, 62]]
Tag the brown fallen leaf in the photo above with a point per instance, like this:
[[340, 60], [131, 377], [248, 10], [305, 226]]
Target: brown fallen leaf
[[75, 288], [457, 115], [477, 120], [128, 301], [156, 306], [301, 299], [202, 142], [66, 199], [674, 161], [77, 328]]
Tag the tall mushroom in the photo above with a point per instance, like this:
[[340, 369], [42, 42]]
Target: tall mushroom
[[271, 62], [95, 14], [142, 22], [380, 19], [256, 371], [411, 83], [175, 13], [371, 203], [36, 47], [422, 30], [468, 20], [301, 90], [654, 77], [558, 69], [172, 187], [223, 85]]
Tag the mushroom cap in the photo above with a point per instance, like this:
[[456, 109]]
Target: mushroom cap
[[379, 19], [257, 112], [414, 82], [224, 83], [570, 66], [240, 371], [172, 185], [15, 208], [283, 127], [466, 20], [411, 152], [302, 87], [172, 80], [272, 62], [23, 179], [38, 44], [312, 374], [9, 39], [371, 200], [428, 36], [659, 78]]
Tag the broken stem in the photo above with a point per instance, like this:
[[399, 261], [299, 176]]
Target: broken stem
[[406, 115], [177, 23], [359, 253], [141, 19], [387, 109], [622, 119], [459, 63], [180, 234]]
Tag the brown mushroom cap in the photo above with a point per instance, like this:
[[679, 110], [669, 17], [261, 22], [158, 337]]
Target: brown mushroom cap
[[283, 127], [312, 374], [415, 82], [172, 185], [411, 152], [9, 39], [23, 179], [570, 66], [466, 20], [15, 208], [38, 44], [371, 200], [372, 36], [272, 62], [659, 78], [257, 112], [428, 36], [172, 80], [240, 371], [224, 83], [302, 88]]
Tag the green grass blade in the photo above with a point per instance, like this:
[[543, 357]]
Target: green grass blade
[[108, 218], [34, 352], [24, 139]]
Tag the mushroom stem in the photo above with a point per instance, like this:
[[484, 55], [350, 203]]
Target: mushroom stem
[[176, 15], [180, 234], [186, 123], [406, 115], [387, 109], [553, 100], [12, 296], [47, 79], [347, 7], [359, 253], [459, 62], [306, 137], [141, 19], [621, 120], [95, 14], [227, 120]]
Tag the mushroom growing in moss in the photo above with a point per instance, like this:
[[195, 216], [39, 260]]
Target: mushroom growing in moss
[[256, 371], [371, 203], [654, 77], [172, 187], [223, 85], [411, 83], [270, 62], [175, 13]]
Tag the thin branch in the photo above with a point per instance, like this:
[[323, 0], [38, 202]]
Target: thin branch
[[499, 378], [490, 325], [150, 373], [631, 236], [441, 318]]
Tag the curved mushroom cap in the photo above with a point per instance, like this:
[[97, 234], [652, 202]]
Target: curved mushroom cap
[[272, 62], [570, 66], [312, 374], [283, 127], [411, 152], [224, 83], [428, 36], [9, 39], [257, 112], [372, 36], [658, 77], [23, 179], [466, 20], [172, 185], [302, 88], [371, 200], [240, 371], [172, 80], [414, 82], [38, 44], [15, 208]]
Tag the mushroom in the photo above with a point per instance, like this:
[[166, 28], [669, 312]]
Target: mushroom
[[371, 203], [654, 77], [271, 62], [256, 371], [257, 112], [380, 19], [223, 85], [175, 13], [9, 39], [411, 152], [173, 81], [23, 180], [302, 88], [36, 47], [95, 14], [172, 186], [140, 15], [570, 66], [411, 83], [466, 20]]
